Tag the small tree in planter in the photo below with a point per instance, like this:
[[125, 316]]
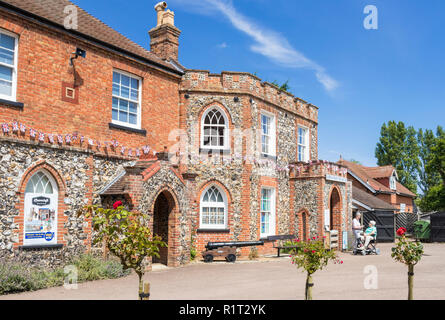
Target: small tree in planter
[[312, 255], [126, 235], [409, 253]]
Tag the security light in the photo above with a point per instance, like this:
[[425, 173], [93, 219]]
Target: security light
[[78, 53]]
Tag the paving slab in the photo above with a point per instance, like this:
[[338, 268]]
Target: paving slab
[[271, 279]]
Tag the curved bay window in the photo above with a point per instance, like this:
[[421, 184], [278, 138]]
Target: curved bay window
[[214, 130], [213, 208], [41, 202]]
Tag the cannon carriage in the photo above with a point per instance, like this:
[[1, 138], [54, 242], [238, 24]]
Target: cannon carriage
[[226, 249]]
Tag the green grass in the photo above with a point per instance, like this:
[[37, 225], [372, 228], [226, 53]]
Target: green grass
[[15, 278]]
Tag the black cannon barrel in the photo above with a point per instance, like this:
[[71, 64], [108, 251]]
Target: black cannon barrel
[[238, 244]]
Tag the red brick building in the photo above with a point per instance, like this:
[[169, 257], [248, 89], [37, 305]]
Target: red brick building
[[378, 188], [88, 116]]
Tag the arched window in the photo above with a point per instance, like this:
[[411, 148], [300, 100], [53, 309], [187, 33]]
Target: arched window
[[213, 209], [41, 203], [214, 129]]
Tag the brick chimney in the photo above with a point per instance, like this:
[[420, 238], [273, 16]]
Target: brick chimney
[[164, 37]]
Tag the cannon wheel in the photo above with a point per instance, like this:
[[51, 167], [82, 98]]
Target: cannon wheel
[[231, 258], [208, 258]]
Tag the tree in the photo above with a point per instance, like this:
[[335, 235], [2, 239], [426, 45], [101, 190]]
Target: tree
[[433, 174], [398, 146], [311, 255], [409, 253], [126, 235], [427, 178], [283, 87]]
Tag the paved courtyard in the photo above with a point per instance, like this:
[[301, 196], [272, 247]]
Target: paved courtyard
[[271, 279]]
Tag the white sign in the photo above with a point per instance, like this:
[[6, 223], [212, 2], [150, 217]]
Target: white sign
[[336, 178], [327, 219]]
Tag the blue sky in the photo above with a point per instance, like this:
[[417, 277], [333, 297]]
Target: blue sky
[[358, 78]]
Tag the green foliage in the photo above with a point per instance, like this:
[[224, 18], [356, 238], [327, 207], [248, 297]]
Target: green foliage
[[407, 252], [15, 277], [398, 146], [292, 243], [126, 234], [312, 255], [434, 200], [283, 87], [92, 268], [355, 161], [427, 178]]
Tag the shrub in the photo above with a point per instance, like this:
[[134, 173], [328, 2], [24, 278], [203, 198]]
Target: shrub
[[15, 278]]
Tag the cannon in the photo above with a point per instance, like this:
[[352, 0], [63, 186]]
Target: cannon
[[226, 249]]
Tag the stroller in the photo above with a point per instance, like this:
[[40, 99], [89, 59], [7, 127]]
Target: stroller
[[370, 249]]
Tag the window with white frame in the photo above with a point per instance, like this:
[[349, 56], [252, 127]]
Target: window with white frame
[[214, 129], [213, 209], [8, 65], [303, 144], [403, 207], [126, 109], [392, 182], [267, 134], [267, 219]]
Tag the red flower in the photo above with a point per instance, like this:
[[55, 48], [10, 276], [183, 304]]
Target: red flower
[[117, 204], [313, 251], [401, 231]]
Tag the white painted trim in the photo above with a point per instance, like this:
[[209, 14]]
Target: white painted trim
[[362, 205], [226, 130], [139, 120], [273, 210], [273, 135], [307, 143], [13, 96], [212, 226]]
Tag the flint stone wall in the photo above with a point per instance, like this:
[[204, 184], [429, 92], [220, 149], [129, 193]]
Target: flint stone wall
[[75, 169]]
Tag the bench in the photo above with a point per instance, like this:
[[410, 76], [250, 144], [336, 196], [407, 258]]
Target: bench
[[280, 239]]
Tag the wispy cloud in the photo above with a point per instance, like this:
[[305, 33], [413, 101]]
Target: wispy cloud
[[267, 42], [222, 45]]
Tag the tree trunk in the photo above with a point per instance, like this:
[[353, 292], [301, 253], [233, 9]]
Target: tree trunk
[[309, 285], [141, 286], [410, 282]]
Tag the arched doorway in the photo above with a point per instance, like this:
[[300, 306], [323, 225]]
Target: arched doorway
[[163, 224], [335, 210], [41, 203]]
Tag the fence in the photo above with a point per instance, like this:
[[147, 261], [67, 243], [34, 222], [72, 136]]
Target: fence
[[406, 220], [438, 227], [385, 223]]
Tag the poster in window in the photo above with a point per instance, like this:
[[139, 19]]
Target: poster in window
[[40, 221]]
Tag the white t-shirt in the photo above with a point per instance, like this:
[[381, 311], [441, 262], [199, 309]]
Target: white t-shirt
[[356, 227]]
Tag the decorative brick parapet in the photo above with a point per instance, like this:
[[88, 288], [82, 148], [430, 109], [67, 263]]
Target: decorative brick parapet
[[247, 84]]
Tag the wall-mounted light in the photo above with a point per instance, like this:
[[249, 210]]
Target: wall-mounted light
[[78, 53]]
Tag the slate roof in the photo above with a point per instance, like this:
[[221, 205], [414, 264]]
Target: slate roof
[[53, 11], [370, 200]]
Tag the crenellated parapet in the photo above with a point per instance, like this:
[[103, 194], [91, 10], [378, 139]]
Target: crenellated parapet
[[242, 83]]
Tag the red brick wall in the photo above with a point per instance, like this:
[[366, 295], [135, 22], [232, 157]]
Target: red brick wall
[[43, 66]]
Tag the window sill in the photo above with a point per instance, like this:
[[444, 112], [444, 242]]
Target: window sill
[[38, 247], [11, 103], [213, 230], [119, 127], [268, 156], [214, 151]]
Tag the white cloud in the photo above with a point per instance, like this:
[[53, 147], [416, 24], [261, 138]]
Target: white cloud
[[222, 45], [267, 42]]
